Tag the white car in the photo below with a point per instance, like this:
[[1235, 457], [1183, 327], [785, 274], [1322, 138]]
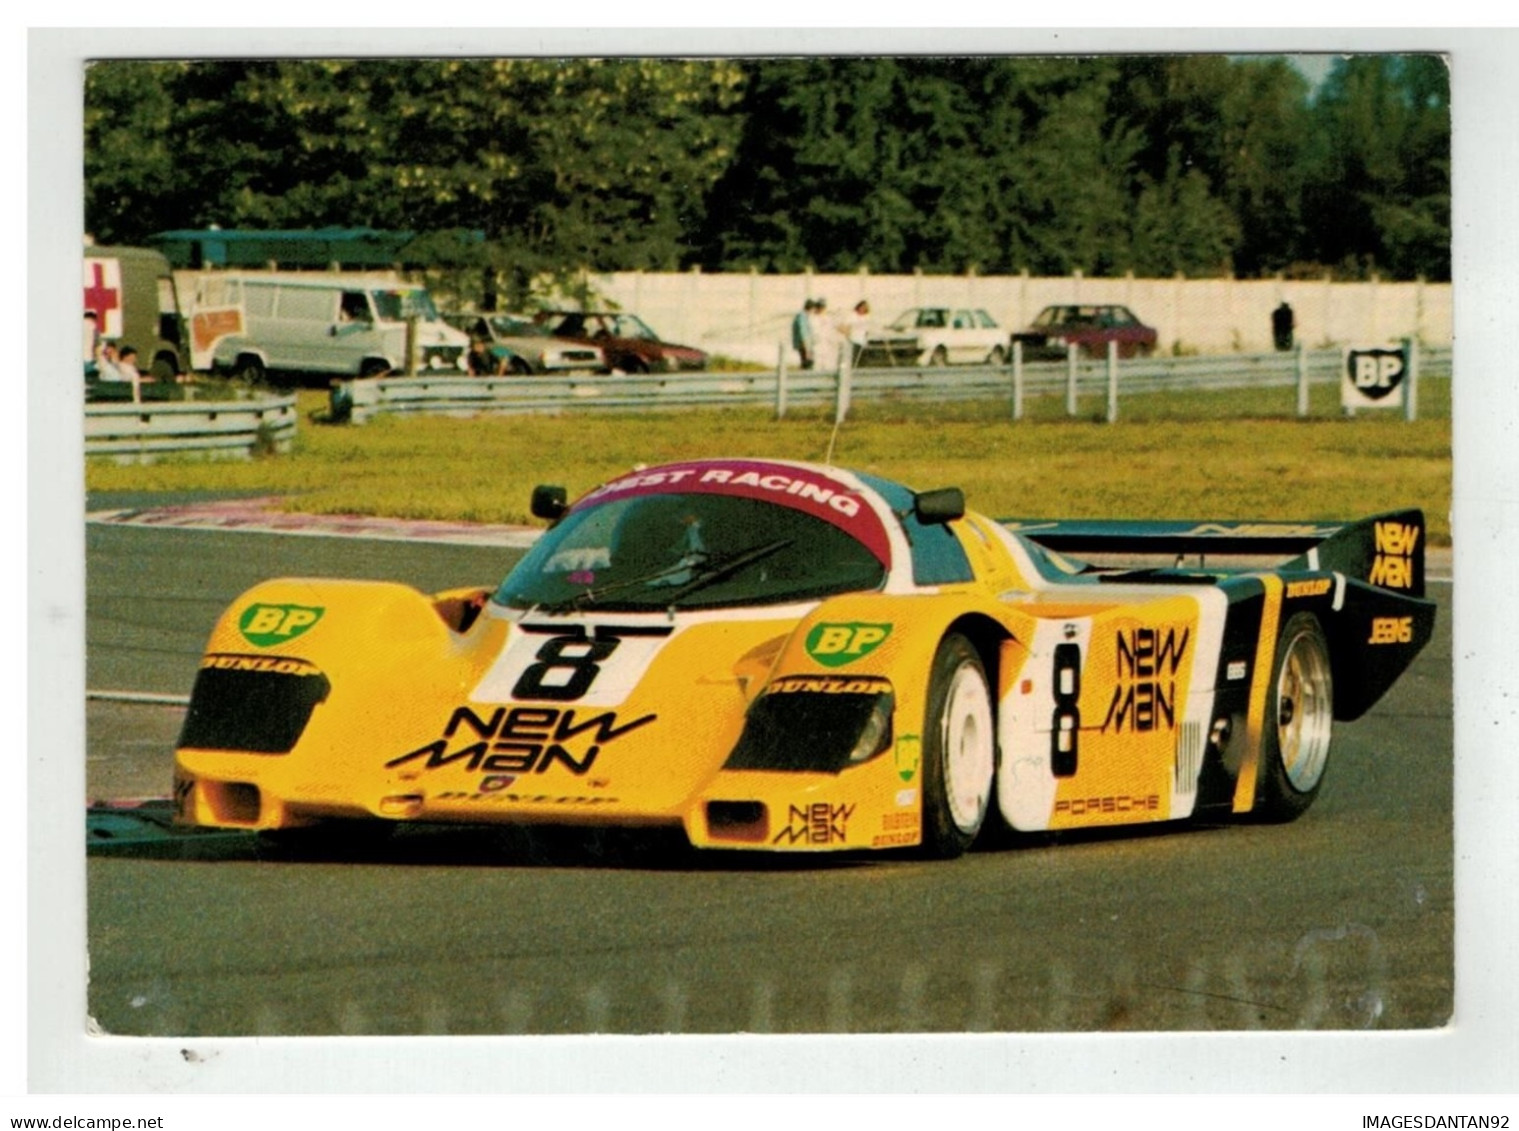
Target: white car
[[954, 335]]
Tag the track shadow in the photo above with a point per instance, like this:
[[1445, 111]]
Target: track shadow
[[145, 830]]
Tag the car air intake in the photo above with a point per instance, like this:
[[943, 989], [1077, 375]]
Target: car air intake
[[254, 704]]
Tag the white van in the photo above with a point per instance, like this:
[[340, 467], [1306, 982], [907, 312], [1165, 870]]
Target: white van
[[247, 325]]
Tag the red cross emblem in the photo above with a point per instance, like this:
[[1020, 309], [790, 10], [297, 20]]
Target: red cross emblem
[[103, 296]]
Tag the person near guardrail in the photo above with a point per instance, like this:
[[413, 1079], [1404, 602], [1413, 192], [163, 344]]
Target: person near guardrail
[[802, 337], [91, 345], [481, 361], [108, 362], [1282, 324], [126, 364]]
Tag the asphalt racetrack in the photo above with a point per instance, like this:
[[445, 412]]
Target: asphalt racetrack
[[1343, 920]]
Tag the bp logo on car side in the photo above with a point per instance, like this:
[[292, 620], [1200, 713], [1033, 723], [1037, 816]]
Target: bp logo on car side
[[265, 625], [834, 645]]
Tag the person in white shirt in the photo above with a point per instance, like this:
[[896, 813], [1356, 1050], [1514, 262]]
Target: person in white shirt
[[856, 330]]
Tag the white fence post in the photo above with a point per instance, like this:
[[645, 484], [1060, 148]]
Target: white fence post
[[1411, 379], [1070, 378], [841, 398], [1112, 382], [1302, 379], [780, 381], [1017, 380]]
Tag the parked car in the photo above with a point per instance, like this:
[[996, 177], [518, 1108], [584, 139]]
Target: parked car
[[524, 346], [1091, 328], [951, 335], [626, 340]]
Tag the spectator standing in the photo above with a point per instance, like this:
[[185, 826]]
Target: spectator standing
[[823, 335], [803, 339], [856, 330], [1282, 324]]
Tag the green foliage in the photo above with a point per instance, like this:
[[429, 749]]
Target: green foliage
[[1151, 164]]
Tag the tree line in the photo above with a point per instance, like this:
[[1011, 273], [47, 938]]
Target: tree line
[[1206, 165]]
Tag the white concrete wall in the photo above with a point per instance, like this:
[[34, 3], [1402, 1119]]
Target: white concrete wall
[[746, 315]]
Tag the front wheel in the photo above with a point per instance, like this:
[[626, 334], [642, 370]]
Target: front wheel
[[940, 356], [248, 369], [959, 749], [1299, 719]]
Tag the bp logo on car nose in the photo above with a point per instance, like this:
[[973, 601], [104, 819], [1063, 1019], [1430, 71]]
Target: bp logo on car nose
[[265, 625], [834, 645]]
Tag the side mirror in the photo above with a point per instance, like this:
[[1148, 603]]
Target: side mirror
[[944, 505], [549, 502]]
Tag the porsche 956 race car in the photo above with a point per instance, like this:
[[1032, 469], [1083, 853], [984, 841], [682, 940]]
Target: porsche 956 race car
[[786, 656]]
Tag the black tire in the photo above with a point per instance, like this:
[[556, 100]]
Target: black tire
[[248, 369], [998, 356], [959, 749], [519, 367], [940, 356], [635, 366], [1295, 739], [164, 368], [374, 367]]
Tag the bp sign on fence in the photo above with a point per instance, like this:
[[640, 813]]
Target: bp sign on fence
[[1375, 378]]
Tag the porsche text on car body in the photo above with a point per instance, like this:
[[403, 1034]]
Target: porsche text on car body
[[787, 656]]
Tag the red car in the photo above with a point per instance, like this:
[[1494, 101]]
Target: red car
[[1091, 328], [630, 346]]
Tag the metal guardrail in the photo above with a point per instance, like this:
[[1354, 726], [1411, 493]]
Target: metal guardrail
[[140, 433], [467, 396]]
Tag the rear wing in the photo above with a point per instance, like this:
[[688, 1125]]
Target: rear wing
[[1386, 550]]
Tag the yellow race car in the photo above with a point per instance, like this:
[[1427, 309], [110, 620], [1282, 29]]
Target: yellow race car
[[794, 657]]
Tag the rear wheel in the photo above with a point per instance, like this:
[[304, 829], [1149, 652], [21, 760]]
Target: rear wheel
[[1299, 719], [940, 356], [959, 749]]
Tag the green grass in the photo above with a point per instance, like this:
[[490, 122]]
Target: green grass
[[1240, 454]]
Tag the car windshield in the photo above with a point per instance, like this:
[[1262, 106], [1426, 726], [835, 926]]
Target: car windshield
[[689, 551], [506, 326], [399, 304], [631, 326]]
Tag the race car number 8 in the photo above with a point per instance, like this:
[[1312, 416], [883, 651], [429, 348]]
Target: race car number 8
[[1066, 723], [566, 667]]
